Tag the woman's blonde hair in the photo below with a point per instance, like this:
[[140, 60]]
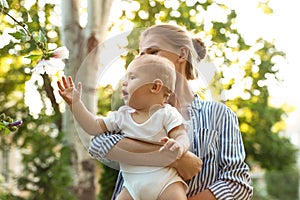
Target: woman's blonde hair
[[179, 37]]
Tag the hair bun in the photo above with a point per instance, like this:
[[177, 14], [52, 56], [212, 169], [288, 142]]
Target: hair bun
[[199, 47]]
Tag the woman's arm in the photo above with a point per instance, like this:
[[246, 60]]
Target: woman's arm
[[233, 180], [135, 152], [109, 147]]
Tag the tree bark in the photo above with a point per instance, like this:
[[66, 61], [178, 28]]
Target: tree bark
[[83, 65]]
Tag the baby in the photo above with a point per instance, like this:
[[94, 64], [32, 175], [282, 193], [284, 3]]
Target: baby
[[149, 82]]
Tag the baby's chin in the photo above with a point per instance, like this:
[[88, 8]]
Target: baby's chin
[[126, 102]]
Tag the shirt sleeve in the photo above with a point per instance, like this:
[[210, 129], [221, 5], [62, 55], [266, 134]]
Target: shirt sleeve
[[173, 118], [101, 144], [234, 178], [111, 121]]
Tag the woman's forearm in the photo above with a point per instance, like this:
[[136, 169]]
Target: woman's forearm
[[136, 152]]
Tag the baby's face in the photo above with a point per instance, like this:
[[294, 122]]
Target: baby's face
[[142, 74], [135, 84]]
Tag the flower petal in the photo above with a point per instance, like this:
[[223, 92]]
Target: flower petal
[[54, 65], [16, 123], [40, 67], [61, 53]]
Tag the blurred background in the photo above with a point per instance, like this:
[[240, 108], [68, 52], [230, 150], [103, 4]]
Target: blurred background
[[252, 46]]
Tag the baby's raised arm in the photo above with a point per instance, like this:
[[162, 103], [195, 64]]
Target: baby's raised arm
[[72, 95]]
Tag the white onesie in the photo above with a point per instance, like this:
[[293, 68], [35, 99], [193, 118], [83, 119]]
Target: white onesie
[[143, 182]]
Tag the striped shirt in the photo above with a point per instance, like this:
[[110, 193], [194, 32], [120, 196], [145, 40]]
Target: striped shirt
[[216, 139]]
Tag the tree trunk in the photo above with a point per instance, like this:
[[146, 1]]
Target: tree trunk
[[82, 65]]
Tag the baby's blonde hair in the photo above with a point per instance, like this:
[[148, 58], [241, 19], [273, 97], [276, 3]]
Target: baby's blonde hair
[[159, 68]]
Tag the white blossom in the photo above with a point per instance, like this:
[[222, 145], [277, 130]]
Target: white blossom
[[61, 53], [50, 66], [54, 63]]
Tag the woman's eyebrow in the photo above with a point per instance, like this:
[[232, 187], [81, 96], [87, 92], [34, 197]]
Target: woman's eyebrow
[[129, 74], [148, 48]]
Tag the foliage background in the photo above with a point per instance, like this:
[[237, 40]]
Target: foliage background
[[41, 141]]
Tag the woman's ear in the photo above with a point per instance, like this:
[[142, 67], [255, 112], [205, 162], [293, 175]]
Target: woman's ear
[[184, 53], [157, 86]]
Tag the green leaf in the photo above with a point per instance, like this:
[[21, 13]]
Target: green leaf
[[23, 35], [42, 37], [16, 35], [32, 26], [34, 57], [7, 131], [42, 41]]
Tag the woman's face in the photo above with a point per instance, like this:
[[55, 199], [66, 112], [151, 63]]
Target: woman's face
[[156, 45]]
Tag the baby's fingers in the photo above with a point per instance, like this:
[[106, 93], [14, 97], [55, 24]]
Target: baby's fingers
[[164, 139], [174, 147], [79, 87], [169, 144], [64, 81], [71, 83], [59, 84]]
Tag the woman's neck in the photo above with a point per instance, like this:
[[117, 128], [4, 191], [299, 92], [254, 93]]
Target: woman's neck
[[183, 96]]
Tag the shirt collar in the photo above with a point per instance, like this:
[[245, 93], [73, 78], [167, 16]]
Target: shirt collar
[[197, 103]]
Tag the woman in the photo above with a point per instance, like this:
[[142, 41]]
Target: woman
[[214, 130]]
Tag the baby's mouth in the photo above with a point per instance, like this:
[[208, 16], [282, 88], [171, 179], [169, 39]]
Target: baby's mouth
[[124, 94]]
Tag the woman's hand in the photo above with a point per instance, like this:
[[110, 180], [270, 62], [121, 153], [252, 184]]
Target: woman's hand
[[68, 91], [188, 165]]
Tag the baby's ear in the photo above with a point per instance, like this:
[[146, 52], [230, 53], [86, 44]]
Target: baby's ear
[[157, 86]]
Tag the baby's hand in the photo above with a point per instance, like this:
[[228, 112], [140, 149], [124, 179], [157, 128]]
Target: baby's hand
[[172, 145], [68, 91]]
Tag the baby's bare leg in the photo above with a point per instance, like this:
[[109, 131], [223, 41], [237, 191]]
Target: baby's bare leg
[[124, 195], [175, 191]]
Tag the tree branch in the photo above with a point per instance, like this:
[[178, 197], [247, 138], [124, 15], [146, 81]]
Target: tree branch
[[49, 90]]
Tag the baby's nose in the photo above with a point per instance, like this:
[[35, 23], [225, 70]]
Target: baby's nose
[[124, 83]]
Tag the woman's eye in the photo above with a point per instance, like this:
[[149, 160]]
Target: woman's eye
[[154, 51], [131, 77]]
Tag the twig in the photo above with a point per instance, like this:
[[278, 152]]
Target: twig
[[19, 23], [40, 45]]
